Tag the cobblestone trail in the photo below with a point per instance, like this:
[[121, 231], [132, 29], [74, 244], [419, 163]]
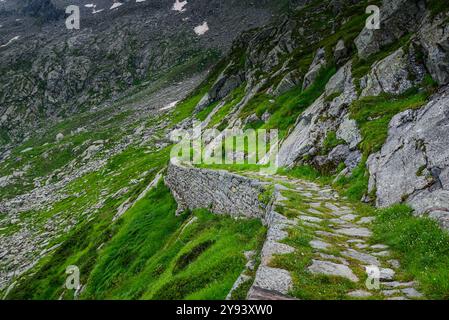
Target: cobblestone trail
[[341, 245]]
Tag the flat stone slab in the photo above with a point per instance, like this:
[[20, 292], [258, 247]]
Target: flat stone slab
[[361, 257], [366, 220], [273, 279], [314, 211], [397, 284], [310, 219], [349, 217], [277, 233], [332, 269], [271, 248], [243, 278], [389, 293], [360, 294], [320, 245], [260, 294], [397, 298], [412, 293], [355, 232], [355, 241], [332, 207], [328, 234], [382, 254], [315, 204], [387, 274], [379, 247]]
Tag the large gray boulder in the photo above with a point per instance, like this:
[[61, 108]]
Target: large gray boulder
[[223, 86], [413, 165], [340, 52], [434, 39], [287, 83], [318, 62], [398, 18], [349, 132], [395, 74]]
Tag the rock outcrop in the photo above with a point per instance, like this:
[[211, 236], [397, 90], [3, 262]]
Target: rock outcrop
[[320, 118], [413, 165], [318, 62], [433, 37], [394, 75], [397, 18]]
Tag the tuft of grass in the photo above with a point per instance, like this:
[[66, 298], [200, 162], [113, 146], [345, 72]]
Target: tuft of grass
[[301, 172], [187, 258], [356, 185], [422, 246], [203, 114], [331, 141]]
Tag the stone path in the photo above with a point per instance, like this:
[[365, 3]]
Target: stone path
[[340, 242]]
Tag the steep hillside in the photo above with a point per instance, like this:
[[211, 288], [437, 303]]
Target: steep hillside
[[49, 72], [363, 158]]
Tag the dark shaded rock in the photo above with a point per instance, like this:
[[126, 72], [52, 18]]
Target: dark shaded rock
[[398, 17], [433, 37], [42, 9]]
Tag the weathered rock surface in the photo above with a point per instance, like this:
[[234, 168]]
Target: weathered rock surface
[[433, 36], [397, 18], [340, 52], [322, 117], [413, 165], [395, 74], [291, 80], [318, 62], [332, 269]]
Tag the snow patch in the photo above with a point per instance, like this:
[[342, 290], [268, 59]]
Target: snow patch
[[170, 106], [94, 8], [201, 29], [179, 6], [115, 5], [10, 41]]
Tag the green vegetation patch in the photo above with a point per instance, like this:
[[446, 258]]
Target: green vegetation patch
[[157, 255], [234, 98], [187, 258], [437, 6], [307, 286], [331, 141], [422, 247], [373, 115], [203, 114]]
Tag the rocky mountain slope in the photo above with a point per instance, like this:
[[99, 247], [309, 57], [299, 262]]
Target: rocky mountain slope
[[49, 72], [363, 112]]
